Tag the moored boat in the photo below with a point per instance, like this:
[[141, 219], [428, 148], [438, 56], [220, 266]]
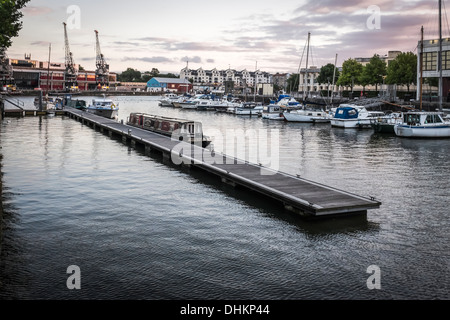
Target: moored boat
[[47, 103], [248, 108], [104, 107], [272, 112], [77, 104], [180, 129], [423, 124], [307, 116], [168, 99], [352, 116], [387, 123]]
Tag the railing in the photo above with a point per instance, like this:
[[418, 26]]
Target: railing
[[14, 101]]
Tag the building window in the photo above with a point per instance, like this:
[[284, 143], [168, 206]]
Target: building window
[[429, 61], [446, 60]]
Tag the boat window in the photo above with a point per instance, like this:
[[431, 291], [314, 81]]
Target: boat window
[[352, 112], [412, 119], [437, 119]]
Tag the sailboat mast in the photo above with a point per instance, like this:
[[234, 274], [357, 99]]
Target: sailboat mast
[[421, 69], [305, 88], [334, 77], [48, 66], [256, 81], [440, 57]]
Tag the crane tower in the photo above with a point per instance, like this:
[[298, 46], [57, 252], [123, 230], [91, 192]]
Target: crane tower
[[70, 74], [102, 71]]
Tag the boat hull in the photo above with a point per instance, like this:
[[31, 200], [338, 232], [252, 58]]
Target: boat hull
[[383, 128], [107, 113], [245, 112], [298, 117], [274, 116], [351, 123], [442, 131]]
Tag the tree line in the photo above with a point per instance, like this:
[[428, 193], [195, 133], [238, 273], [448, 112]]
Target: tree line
[[133, 75], [401, 71]]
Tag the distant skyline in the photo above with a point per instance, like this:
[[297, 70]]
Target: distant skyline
[[268, 35]]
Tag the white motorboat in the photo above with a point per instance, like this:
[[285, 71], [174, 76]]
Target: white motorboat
[[224, 105], [104, 107], [48, 104], [168, 99], [192, 102], [423, 124], [352, 116], [272, 112], [248, 108], [307, 116]]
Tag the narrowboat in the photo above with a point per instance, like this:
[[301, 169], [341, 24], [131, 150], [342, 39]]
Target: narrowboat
[[179, 129]]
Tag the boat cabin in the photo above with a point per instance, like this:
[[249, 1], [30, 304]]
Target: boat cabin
[[419, 119], [346, 113], [179, 129]]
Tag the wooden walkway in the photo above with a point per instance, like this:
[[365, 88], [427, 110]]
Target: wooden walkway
[[299, 195]]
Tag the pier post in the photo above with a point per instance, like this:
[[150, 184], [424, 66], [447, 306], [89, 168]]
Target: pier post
[[229, 182], [296, 210], [2, 108], [148, 150], [166, 158]]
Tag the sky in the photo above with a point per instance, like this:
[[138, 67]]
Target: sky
[[268, 35]]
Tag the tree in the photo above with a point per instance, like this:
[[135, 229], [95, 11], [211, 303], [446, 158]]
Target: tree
[[130, 75], [10, 25], [292, 83], [326, 74], [403, 70], [373, 72], [154, 72], [351, 72]]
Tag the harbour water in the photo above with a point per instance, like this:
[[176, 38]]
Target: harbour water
[[139, 228]]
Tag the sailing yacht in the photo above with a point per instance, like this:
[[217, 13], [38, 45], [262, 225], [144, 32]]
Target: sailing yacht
[[306, 114]]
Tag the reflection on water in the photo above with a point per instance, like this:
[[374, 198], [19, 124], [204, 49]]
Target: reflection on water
[[140, 228]]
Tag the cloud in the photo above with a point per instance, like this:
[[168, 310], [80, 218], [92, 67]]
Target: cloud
[[195, 59], [36, 11], [149, 59], [40, 43], [126, 43]]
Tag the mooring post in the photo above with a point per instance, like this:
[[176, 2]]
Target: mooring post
[[148, 150]]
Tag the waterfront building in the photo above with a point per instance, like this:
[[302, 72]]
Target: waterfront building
[[386, 58], [280, 80], [169, 85], [431, 67], [243, 81], [308, 81], [31, 74]]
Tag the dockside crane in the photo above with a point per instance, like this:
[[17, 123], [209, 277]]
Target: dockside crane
[[102, 71], [70, 74]]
